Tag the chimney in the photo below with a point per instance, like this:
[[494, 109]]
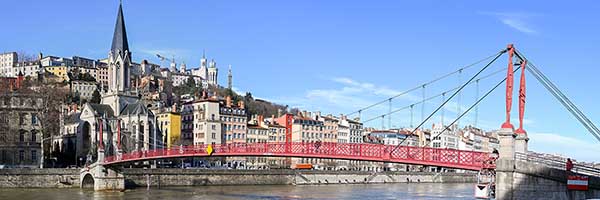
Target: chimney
[[272, 119], [203, 94], [19, 80], [279, 112], [342, 117], [261, 120], [228, 101], [318, 113], [304, 113]]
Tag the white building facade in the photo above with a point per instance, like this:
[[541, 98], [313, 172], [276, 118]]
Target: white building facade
[[7, 62]]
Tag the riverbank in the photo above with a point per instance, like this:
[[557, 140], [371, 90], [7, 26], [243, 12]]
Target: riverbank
[[65, 178]]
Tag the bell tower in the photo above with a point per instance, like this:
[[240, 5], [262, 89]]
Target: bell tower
[[119, 68], [119, 57]]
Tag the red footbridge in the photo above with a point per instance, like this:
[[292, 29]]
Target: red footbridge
[[425, 155], [451, 158]]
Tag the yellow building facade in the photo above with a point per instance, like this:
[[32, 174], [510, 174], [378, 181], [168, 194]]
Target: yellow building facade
[[59, 71], [169, 123]]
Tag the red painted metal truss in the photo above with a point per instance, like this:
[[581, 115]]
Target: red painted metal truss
[[450, 158]]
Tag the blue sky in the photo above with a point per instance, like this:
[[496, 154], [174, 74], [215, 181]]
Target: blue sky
[[337, 56]]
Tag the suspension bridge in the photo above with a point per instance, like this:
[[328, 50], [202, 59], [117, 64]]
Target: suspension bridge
[[513, 139]]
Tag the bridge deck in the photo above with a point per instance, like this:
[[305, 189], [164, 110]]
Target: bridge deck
[[451, 158]]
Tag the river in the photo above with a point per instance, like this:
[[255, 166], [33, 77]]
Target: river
[[367, 191]]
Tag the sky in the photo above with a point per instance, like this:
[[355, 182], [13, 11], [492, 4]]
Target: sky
[[339, 56]]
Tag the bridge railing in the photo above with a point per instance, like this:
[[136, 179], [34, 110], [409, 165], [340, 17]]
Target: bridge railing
[[558, 163], [351, 151]]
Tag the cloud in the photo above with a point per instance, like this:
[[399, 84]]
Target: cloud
[[370, 88], [581, 150], [518, 21], [519, 25], [349, 95]]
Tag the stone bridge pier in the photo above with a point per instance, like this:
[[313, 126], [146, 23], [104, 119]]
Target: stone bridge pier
[[520, 179], [100, 177]]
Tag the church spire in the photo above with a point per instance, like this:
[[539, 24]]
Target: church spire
[[119, 42]]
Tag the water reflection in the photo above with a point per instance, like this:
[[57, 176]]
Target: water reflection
[[371, 191]]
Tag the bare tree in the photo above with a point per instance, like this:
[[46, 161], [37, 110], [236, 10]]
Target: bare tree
[[52, 97], [23, 56]]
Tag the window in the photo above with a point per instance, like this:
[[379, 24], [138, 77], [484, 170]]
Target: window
[[214, 136], [33, 155], [21, 137], [214, 127], [21, 155]]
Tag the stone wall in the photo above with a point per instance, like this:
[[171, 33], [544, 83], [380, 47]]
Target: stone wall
[[39, 178], [59, 178], [199, 177], [307, 178], [523, 180], [194, 177]]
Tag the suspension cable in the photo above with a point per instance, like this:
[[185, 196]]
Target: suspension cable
[[458, 108], [476, 97], [390, 116], [471, 107], [561, 97], [452, 96], [443, 94], [423, 105], [426, 83], [443, 110]]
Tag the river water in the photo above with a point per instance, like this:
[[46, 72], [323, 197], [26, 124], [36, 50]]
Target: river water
[[368, 191]]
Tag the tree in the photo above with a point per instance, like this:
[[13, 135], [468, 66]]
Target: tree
[[248, 96], [190, 82], [86, 77], [95, 97], [73, 97], [189, 87], [52, 97], [23, 56]]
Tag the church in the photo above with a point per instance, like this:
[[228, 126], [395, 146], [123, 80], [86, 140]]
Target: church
[[121, 122]]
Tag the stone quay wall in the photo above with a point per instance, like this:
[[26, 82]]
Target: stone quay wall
[[64, 178], [523, 180], [39, 178], [194, 177]]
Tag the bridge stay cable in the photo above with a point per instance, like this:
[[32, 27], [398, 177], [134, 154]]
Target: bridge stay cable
[[452, 96], [426, 83], [442, 94], [472, 106], [561, 97]]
